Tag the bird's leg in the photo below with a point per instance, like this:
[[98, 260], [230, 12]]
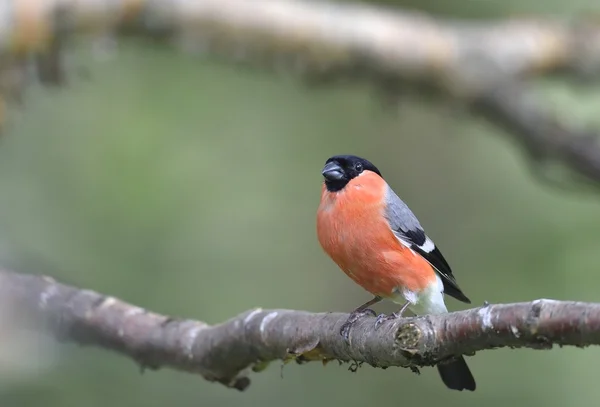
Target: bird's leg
[[364, 309], [382, 317], [355, 316]]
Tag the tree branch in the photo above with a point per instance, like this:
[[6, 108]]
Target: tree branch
[[225, 352], [484, 65], [544, 136]]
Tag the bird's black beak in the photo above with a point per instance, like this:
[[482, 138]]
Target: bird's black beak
[[332, 172]]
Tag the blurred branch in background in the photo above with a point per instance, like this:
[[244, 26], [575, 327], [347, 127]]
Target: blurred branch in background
[[484, 65], [226, 352]]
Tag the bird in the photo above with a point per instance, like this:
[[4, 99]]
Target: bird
[[377, 241]]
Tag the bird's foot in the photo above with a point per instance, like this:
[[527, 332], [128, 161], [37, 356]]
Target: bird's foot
[[381, 318], [354, 316]]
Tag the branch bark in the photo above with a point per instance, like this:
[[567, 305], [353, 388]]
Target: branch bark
[[226, 352], [485, 65]]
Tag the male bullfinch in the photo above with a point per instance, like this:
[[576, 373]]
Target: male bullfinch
[[378, 242]]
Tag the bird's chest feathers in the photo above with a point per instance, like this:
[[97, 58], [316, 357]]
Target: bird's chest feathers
[[349, 220]]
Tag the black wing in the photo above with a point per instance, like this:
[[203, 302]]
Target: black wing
[[421, 244], [409, 231]]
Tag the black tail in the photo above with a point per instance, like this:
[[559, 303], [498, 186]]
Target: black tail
[[456, 374]]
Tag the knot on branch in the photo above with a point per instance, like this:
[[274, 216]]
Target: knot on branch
[[408, 336]]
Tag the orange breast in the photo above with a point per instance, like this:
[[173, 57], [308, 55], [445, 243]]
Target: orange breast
[[353, 231]]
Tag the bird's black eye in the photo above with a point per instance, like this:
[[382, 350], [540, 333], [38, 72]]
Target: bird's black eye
[[358, 167]]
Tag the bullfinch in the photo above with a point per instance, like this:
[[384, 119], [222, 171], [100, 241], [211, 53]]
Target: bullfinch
[[372, 235]]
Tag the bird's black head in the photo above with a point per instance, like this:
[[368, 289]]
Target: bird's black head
[[341, 169]]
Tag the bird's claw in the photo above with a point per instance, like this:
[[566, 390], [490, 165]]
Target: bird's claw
[[381, 318], [369, 311], [355, 316]]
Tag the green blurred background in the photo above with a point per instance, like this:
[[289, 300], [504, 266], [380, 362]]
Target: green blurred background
[[189, 187]]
